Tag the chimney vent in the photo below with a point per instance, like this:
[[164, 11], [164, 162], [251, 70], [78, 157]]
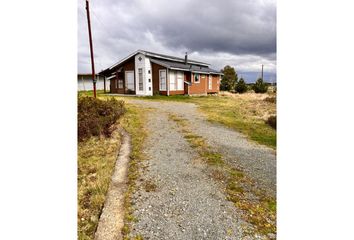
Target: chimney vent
[[186, 58]]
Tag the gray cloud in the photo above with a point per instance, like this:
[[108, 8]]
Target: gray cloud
[[235, 32]]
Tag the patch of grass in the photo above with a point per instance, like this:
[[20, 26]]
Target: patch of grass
[[150, 186], [90, 93], [261, 211], [96, 161], [243, 112], [133, 123]]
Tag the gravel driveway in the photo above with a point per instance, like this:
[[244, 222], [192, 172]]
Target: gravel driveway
[[175, 199], [258, 161]]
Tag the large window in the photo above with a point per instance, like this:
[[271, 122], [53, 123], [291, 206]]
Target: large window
[[180, 80], [173, 85], [141, 84], [162, 76]]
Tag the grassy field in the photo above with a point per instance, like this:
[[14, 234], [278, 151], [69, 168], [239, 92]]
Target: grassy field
[[96, 160], [245, 113]]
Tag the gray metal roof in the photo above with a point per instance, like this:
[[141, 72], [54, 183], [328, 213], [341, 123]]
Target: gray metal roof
[[163, 56], [184, 67]]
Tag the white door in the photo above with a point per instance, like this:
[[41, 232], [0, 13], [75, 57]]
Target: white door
[[129, 80]]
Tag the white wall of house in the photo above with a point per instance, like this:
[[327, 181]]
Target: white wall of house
[[143, 75], [84, 84]]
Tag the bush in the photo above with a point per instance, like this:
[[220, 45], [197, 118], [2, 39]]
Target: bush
[[96, 117], [260, 86], [271, 99], [272, 121], [241, 86]]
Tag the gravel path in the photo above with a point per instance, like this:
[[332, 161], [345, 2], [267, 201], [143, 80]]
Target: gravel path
[[258, 161], [175, 199]]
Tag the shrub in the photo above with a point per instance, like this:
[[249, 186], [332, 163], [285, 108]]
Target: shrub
[[96, 117], [260, 86], [241, 86], [272, 121], [271, 99]]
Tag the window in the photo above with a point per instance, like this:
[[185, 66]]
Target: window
[[120, 83], [149, 80], [141, 84], [180, 80], [196, 77], [210, 82], [173, 85], [162, 76], [149, 71]]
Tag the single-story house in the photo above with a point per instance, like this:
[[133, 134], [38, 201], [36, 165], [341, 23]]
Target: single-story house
[[85, 83], [146, 73]]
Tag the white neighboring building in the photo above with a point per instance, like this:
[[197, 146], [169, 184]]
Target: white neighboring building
[[84, 82]]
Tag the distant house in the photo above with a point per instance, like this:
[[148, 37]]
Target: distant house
[[84, 82], [147, 73]]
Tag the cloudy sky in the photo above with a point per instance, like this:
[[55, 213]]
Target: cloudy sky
[[221, 32]]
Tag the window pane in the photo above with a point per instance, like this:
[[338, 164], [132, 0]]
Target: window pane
[[141, 86]]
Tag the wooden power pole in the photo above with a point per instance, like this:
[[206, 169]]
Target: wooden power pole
[[262, 72], [91, 48]]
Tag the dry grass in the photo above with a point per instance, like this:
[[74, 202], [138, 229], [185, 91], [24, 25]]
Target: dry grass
[[260, 211], [96, 160], [133, 123]]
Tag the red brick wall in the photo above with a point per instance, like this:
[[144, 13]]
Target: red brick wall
[[201, 87]]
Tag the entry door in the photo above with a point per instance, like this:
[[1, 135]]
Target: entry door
[[129, 81]]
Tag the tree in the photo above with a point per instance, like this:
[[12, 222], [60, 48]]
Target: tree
[[228, 81], [260, 86], [241, 86]]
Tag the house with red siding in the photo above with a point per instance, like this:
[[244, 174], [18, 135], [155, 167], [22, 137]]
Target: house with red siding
[[146, 73]]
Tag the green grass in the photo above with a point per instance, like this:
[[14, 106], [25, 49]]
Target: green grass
[[90, 93], [243, 113], [96, 161]]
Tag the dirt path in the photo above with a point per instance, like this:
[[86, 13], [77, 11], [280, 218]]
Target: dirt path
[[175, 197]]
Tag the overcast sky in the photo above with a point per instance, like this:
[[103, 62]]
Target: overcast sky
[[221, 32]]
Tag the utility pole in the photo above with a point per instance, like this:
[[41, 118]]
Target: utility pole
[[262, 72], [91, 48]]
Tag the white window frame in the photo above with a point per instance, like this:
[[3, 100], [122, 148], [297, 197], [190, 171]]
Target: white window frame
[[210, 83], [140, 79], [122, 82], [163, 87], [198, 74], [180, 80], [173, 80], [126, 80]]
